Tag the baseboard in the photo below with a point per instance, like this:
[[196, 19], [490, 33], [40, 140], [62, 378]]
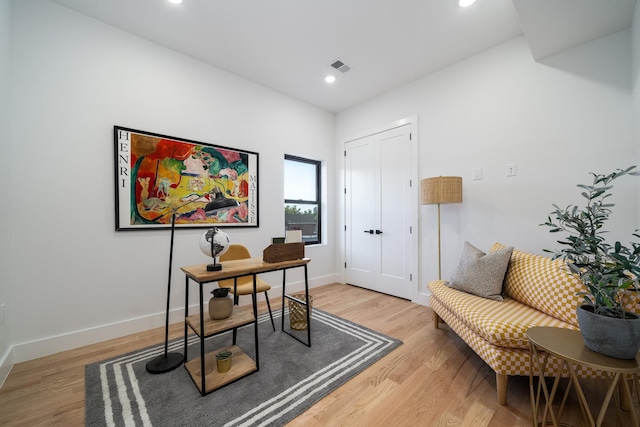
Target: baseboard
[[423, 298], [55, 344]]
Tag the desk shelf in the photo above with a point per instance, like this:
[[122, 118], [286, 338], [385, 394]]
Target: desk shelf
[[241, 366], [239, 317], [242, 363]]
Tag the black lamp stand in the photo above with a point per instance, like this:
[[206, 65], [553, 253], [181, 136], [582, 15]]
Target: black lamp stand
[[168, 361]]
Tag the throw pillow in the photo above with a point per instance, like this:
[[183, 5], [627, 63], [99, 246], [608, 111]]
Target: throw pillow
[[481, 274]]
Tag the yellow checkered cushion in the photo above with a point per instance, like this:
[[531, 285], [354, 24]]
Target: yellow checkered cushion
[[502, 324], [544, 284]]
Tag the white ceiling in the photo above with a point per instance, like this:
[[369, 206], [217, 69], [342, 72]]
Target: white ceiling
[[288, 45]]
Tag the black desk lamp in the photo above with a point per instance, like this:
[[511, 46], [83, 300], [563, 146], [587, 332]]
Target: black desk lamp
[[169, 361]]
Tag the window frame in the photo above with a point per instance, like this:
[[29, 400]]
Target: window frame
[[318, 177]]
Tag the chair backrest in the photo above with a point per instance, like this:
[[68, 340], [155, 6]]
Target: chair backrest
[[235, 252]]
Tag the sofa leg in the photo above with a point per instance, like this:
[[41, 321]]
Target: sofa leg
[[625, 401], [436, 320], [501, 386]]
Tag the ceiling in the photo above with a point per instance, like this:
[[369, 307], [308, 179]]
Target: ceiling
[[288, 45]]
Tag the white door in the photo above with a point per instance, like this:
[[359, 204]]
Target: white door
[[378, 212]]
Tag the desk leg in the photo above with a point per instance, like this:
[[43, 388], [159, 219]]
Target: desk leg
[[284, 282], [306, 302], [235, 302], [202, 355], [306, 293], [186, 314], [255, 315]]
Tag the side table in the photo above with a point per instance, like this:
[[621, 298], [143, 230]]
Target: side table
[[568, 346]]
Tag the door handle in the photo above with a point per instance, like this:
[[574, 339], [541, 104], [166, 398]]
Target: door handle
[[378, 232], [368, 231]]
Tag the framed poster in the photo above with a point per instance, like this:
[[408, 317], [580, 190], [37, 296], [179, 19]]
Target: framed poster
[[205, 185]]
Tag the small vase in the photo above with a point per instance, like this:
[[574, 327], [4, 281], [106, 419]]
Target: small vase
[[224, 365], [221, 304]]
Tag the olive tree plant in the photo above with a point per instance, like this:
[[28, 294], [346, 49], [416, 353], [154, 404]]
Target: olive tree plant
[[610, 272]]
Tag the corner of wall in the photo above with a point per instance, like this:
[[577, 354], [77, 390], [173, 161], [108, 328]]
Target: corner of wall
[[424, 298], [6, 177], [6, 364]]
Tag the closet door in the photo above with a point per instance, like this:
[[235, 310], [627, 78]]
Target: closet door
[[378, 212]]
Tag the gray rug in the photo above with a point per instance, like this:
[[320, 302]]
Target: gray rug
[[292, 377]]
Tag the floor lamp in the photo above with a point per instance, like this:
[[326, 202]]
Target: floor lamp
[[167, 362], [440, 190]]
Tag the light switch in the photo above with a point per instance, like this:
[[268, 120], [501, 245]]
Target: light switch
[[477, 174]]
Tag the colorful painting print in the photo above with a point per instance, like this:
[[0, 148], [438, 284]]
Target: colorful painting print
[[203, 184]]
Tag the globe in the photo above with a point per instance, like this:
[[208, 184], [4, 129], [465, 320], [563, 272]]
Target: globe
[[220, 242]]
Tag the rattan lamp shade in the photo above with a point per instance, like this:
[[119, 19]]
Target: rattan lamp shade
[[440, 190], [437, 191]]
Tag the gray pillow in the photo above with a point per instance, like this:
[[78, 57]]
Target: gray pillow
[[481, 274]]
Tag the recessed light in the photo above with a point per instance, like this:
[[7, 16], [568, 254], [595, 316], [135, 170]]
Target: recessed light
[[330, 79], [465, 3], [175, 1]]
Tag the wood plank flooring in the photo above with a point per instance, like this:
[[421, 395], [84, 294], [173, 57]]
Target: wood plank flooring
[[433, 379]]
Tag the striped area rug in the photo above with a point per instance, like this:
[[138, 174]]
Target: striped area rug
[[292, 377]]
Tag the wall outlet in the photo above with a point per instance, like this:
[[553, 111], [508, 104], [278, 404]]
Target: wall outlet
[[3, 309], [511, 170], [477, 174]]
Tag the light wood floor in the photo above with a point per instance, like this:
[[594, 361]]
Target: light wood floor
[[433, 379]]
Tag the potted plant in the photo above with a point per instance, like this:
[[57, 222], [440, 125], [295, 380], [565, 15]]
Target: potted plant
[[223, 360], [609, 272]]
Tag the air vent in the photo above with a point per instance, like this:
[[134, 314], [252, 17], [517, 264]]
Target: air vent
[[340, 66]]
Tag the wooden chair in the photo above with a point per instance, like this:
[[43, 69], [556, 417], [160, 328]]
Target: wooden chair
[[244, 285]]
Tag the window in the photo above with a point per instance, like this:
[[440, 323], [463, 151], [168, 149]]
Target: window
[[302, 197]]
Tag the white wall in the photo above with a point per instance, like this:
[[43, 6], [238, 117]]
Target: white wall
[[78, 281], [556, 121], [5, 179], [635, 75]]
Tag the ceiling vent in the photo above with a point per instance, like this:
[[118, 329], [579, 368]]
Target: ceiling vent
[[340, 66]]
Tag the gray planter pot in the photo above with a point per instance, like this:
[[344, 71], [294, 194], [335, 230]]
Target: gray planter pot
[[619, 338]]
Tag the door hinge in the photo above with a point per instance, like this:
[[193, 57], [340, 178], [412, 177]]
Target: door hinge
[[345, 265], [410, 230], [410, 136], [345, 191], [345, 228], [411, 277], [345, 153]]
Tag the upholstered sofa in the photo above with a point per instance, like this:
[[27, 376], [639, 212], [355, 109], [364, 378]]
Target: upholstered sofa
[[536, 291]]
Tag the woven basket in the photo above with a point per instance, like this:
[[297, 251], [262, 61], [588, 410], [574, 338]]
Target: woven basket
[[298, 312]]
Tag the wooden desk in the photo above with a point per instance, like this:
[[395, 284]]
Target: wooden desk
[[204, 374], [569, 347]]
